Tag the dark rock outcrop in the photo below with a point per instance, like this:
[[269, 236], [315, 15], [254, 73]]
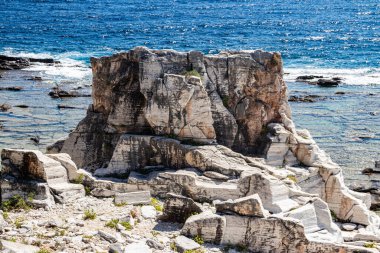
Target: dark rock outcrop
[[9, 62]]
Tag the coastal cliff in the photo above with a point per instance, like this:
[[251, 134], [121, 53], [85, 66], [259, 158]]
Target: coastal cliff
[[212, 136]]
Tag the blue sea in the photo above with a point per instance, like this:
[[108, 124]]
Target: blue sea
[[326, 37]]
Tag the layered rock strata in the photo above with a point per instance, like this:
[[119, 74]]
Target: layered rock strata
[[229, 98], [40, 179], [214, 129]]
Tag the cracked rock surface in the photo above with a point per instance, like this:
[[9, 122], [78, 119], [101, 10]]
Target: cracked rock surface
[[211, 137]]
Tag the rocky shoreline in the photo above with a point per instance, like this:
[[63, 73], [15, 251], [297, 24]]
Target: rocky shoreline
[[211, 137]]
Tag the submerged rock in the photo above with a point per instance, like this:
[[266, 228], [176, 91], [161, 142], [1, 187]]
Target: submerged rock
[[306, 98], [58, 93], [5, 107], [12, 88]]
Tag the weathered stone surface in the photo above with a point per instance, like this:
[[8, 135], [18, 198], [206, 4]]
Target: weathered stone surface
[[107, 236], [140, 247], [327, 182], [247, 206], [102, 193], [210, 227], [317, 222], [178, 208], [148, 91], [31, 172], [14, 247], [65, 160], [133, 198], [240, 101], [184, 244]]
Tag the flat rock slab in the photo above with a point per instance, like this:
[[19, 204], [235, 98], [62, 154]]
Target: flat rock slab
[[133, 198], [247, 206], [138, 247], [108, 237], [14, 247], [102, 193], [184, 244]]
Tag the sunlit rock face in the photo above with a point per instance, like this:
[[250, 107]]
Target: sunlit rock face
[[228, 98], [214, 129]]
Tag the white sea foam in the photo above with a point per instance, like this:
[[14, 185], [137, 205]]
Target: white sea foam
[[68, 67], [359, 76]]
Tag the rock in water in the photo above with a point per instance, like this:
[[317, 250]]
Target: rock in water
[[229, 97]]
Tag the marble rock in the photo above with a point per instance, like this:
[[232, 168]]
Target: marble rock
[[210, 227], [26, 171], [247, 206], [184, 244], [178, 208], [133, 198]]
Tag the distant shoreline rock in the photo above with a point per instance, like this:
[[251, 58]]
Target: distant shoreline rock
[[11, 63], [320, 80]]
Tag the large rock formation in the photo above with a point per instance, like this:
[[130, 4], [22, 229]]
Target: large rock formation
[[229, 97], [214, 129]]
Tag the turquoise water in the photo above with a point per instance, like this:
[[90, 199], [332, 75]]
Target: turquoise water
[[327, 37]]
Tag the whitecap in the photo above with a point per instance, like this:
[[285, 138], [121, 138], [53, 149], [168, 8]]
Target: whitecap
[[315, 38], [359, 76], [69, 65]]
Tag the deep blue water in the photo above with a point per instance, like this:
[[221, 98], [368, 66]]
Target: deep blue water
[[325, 33]]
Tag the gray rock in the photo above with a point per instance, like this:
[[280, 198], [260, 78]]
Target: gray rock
[[133, 198], [178, 208], [102, 193], [183, 244], [221, 103], [115, 248], [106, 236], [210, 227], [216, 175], [248, 206], [26, 171], [154, 245]]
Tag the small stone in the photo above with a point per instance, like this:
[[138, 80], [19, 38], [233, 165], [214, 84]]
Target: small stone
[[102, 193], [247, 206], [215, 175], [108, 237], [148, 212], [138, 247], [154, 245], [349, 226], [115, 248], [183, 244]]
